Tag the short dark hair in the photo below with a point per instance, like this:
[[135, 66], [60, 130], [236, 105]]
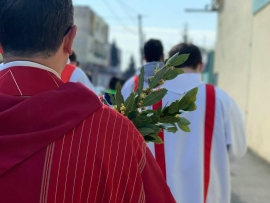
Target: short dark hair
[[73, 57], [153, 50], [34, 27], [195, 57], [113, 82]]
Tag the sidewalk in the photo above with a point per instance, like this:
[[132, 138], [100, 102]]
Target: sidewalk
[[250, 180]]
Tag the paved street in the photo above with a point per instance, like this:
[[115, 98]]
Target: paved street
[[250, 180]]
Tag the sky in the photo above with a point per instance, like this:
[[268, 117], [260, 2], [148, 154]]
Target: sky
[[161, 19]]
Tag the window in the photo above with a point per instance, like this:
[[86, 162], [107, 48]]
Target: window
[[259, 4]]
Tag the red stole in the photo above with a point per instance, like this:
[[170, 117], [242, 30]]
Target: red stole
[[67, 72], [208, 135]]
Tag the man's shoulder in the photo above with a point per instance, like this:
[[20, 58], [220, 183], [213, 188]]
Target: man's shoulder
[[115, 123], [223, 96], [129, 82]]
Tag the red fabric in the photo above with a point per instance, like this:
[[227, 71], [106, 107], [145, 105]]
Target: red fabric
[[59, 144], [67, 72], [160, 148], [208, 133], [136, 82]]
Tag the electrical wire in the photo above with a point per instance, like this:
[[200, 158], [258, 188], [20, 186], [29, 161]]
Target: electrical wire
[[118, 18], [127, 6], [123, 7]]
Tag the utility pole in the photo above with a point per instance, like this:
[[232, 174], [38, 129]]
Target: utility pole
[[141, 41], [185, 33]]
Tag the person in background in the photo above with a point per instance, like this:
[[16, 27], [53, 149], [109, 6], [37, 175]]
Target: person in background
[[154, 56], [58, 143], [111, 89], [196, 164], [72, 73]]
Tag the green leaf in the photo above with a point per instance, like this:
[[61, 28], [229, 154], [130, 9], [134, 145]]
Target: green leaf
[[149, 112], [165, 110], [155, 128], [179, 70], [148, 138], [184, 102], [179, 60], [155, 81], [159, 111], [136, 100], [157, 139], [183, 121], [154, 97], [154, 119], [141, 81], [169, 119], [191, 107], [170, 74], [165, 62], [165, 125], [104, 102], [172, 129], [132, 115], [193, 94], [136, 122], [129, 102], [145, 131], [112, 99], [173, 108], [119, 96], [185, 128], [145, 120], [171, 60]]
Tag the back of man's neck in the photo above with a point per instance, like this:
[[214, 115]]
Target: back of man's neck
[[189, 70], [45, 62]]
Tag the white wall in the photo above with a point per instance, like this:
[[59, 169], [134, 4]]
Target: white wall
[[243, 66]]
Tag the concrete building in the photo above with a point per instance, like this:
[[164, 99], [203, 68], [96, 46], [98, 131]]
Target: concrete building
[[242, 64], [91, 42]]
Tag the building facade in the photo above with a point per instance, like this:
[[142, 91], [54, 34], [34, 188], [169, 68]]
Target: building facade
[[242, 64], [91, 42]]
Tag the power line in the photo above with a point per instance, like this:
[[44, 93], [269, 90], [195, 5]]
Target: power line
[[125, 10], [118, 18], [127, 6]]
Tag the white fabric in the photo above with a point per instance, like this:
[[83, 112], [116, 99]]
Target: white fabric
[[79, 76], [149, 71], [184, 152], [28, 64]]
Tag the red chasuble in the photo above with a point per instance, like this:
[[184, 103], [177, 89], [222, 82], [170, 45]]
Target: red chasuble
[[59, 144]]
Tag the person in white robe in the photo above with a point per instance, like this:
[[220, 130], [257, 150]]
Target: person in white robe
[[78, 75], [154, 57], [196, 164]]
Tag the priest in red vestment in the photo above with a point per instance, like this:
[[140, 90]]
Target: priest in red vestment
[[58, 143]]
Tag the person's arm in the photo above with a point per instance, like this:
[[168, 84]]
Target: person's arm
[[235, 132]]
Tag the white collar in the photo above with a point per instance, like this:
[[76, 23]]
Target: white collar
[[183, 83], [28, 64]]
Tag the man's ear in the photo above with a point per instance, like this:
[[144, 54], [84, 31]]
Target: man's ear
[[69, 38]]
